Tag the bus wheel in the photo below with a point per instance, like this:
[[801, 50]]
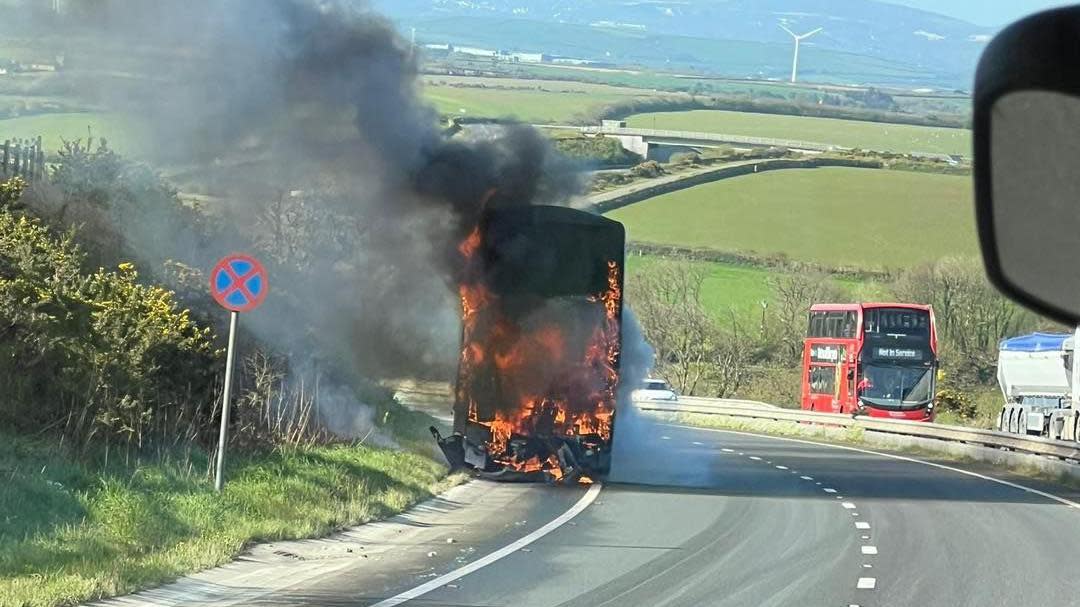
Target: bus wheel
[[1076, 428], [1021, 423], [1002, 424]]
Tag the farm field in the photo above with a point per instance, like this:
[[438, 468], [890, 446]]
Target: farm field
[[738, 290], [862, 218], [847, 133], [535, 101], [54, 128]]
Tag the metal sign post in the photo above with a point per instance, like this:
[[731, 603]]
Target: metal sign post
[[223, 437], [238, 283]]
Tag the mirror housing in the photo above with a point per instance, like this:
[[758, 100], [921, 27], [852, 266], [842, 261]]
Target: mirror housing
[[1027, 162]]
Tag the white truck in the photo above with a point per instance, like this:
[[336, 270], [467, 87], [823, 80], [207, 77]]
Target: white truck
[[1036, 373]]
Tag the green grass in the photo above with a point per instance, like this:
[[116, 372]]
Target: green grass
[[71, 532], [739, 289], [863, 218], [556, 104], [847, 133], [121, 132]]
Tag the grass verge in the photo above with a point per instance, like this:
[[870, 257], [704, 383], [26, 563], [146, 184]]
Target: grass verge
[[75, 529]]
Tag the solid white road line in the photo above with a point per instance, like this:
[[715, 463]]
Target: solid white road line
[[866, 583], [869, 549], [505, 551], [904, 458]]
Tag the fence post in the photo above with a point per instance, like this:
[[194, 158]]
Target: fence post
[[40, 160], [17, 167], [7, 157]]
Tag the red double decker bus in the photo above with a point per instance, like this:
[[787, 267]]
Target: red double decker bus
[[879, 359]]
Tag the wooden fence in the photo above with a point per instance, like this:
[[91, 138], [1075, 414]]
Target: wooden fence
[[22, 157]]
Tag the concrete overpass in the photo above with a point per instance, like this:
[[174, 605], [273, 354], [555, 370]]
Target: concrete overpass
[[644, 142]]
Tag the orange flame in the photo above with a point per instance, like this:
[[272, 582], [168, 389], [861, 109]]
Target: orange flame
[[582, 408]]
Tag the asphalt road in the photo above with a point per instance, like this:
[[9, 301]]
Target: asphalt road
[[731, 520]]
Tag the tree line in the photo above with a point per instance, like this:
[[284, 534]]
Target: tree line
[[723, 353]]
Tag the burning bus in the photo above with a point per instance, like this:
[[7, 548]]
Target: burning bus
[[541, 304]]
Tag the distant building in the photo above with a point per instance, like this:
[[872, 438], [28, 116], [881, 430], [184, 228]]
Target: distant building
[[439, 47], [476, 52], [530, 58]]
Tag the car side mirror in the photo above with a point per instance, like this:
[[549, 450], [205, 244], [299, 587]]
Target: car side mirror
[[1027, 162]]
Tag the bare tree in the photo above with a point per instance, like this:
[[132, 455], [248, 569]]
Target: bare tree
[[731, 360], [666, 295], [971, 315], [794, 294]]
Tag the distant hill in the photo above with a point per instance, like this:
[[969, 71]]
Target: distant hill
[[910, 46]]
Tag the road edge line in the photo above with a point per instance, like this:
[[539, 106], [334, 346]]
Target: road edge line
[[419, 591], [1050, 496]]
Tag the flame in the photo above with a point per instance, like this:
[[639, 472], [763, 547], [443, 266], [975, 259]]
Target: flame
[[577, 405]]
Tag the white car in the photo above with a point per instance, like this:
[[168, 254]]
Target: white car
[[655, 389]]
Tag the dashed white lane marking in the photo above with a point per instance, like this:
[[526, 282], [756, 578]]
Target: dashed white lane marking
[[665, 438], [867, 566], [869, 549], [726, 450], [697, 443], [442, 580], [865, 537], [848, 505], [903, 458], [829, 490], [862, 525], [781, 467], [866, 583], [818, 483], [807, 478], [854, 514], [839, 497], [755, 458]]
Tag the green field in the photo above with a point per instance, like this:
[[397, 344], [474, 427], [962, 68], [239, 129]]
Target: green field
[[536, 101], [53, 128], [847, 133], [831, 216], [737, 289]]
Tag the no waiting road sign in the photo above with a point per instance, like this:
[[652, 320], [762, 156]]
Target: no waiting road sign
[[238, 283]]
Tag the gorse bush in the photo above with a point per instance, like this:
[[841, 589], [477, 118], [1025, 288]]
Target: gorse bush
[[94, 352]]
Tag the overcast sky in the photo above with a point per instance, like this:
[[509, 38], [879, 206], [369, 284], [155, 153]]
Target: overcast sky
[[983, 12]]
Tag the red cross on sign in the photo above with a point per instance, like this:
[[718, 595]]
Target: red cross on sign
[[238, 283]]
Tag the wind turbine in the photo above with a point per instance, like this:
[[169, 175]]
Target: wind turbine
[[798, 40]]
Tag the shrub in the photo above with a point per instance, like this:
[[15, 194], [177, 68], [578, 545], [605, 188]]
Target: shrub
[[648, 169], [92, 352], [957, 402]]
